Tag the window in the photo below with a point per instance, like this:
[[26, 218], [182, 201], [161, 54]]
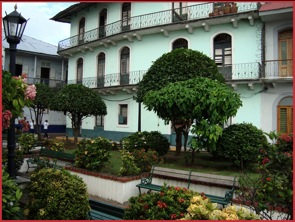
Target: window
[[179, 11], [179, 43], [223, 54], [102, 22], [126, 15], [124, 66], [18, 69], [285, 53], [79, 71], [81, 30], [99, 121], [45, 72], [100, 69], [123, 114], [285, 115]]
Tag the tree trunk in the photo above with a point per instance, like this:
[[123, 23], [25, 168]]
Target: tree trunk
[[185, 134], [178, 141]]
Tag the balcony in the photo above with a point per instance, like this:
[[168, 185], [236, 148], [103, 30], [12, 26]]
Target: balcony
[[52, 83], [278, 69], [168, 17]]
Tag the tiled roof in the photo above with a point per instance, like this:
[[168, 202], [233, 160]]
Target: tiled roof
[[268, 6], [30, 44]]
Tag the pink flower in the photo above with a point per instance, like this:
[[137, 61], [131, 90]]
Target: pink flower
[[6, 116], [265, 160], [30, 92]]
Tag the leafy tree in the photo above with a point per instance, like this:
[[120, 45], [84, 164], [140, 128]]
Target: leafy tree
[[178, 65], [79, 102], [42, 100], [207, 101]]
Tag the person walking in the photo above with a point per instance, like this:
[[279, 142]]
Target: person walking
[[32, 126], [45, 125]]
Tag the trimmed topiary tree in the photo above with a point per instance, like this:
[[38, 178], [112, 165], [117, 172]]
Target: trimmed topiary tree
[[153, 140], [93, 154], [56, 195], [240, 144]]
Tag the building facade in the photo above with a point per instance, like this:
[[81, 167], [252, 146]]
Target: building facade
[[40, 61], [112, 45]]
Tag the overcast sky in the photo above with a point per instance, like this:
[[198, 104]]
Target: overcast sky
[[39, 25]]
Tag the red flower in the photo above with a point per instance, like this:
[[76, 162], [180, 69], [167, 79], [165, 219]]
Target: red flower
[[265, 160], [268, 179], [173, 216], [146, 206], [181, 200]]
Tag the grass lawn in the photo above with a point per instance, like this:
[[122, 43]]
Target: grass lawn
[[204, 163]]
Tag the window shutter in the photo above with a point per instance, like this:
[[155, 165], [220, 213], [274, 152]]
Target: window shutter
[[282, 119]]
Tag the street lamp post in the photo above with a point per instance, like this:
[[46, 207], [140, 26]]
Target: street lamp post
[[14, 25]]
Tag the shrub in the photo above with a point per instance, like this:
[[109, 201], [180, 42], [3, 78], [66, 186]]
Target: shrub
[[201, 208], [128, 164], [240, 144], [55, 145], [170, 203], [148, 140], [56, 195], [146, 159], [18, 158], [93, 154], [11, 195], [26, 141]]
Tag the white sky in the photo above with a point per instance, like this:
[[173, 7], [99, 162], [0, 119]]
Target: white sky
[[39, 25]]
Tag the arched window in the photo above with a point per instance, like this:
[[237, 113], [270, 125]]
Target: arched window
[[102, 22], [223, 54], [179, 43], [126, 15], [285, 115], [285, 52], [100, 69], [124, 66], [81, 30], [79, 71]]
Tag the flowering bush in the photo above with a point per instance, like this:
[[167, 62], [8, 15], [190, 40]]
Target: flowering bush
[[128, 164], [168, 204], [201, 208], [147, 140], [25, 125], [93, 154], [26, 141], [16, 94], [56, 195], [146, 159], [55, 145]]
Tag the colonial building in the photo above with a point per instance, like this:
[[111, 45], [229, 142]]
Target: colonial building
[[40, 61], [112, 45]]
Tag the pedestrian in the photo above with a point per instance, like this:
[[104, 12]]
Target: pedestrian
[[32, 126], [45, 125]]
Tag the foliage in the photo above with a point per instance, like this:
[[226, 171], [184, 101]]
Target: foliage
[[128, 164], [177, 65], [208, 102], [26, 141], [274, 186], [43, 162], [170, 203], [93, 154], [18, 158], [201, 208], [79, 102], [153, 140], [56, 195], [240, 144], [145, 159], [55, 145], [16, 94], [11, 195], [42, 101]]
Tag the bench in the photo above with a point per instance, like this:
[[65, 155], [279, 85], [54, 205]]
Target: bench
[[146, 183], [105, 211], [223, 200], [52, 154]]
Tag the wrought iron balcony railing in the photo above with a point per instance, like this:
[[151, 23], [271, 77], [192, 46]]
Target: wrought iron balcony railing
[[53, 83], [277, 69], [190, 13], [241, 71]]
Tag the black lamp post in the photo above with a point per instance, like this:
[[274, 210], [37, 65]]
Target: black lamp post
[[14, 25]]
